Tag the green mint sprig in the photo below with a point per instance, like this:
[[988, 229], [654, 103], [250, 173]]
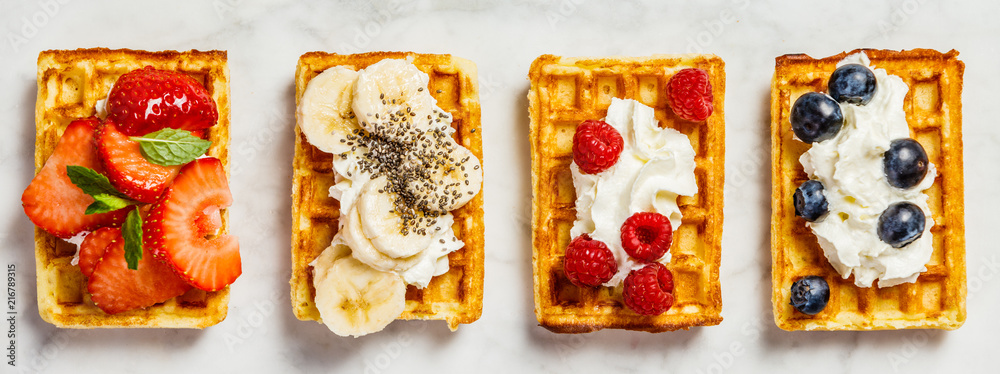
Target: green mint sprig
[[168, 147]]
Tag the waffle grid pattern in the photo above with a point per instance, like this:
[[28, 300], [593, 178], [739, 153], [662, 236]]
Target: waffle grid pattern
[[70, 82], [933, 111], [567, 91], [455, 296]]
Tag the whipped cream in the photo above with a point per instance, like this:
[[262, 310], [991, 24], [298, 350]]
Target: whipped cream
[[655, 167], [850, 166]]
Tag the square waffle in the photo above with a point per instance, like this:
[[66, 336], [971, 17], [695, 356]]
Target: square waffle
[[455, 296], [566, 91], [933, 109], [70, 82]]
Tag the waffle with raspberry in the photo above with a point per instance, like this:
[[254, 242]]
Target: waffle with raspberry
[[70, 83], [568, 91], [455, 296], [934, 113]]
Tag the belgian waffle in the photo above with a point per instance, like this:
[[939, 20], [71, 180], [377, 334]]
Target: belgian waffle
[[455, 296], [566, 91], [70, 82], [934, 112]]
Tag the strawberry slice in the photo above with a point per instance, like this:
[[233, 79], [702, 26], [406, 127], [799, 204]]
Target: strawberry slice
[[178, 227], [127, 169], [147, 100], [52, 201], [115, 288], [93, 246]]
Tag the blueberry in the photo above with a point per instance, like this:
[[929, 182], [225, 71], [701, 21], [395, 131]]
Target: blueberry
[[810, 203], [852, 83], [900, 224], [810, 294], [816, 117], [905, 163]]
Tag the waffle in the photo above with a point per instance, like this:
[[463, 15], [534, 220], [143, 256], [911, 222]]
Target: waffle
[[70, 82], [934, 112], [566, 91], [455, 296]]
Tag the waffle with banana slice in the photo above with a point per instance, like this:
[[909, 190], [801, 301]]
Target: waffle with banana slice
[[565, 92], [70, 83], [456, 295], [933, 110]]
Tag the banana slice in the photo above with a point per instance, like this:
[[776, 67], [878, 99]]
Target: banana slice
[[325, 113], [356, 299], [391, 99], [364, 251], [384, 225], [453, 178]]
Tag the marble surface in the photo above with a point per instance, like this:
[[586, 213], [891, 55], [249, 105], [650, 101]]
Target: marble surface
[[264, 41]]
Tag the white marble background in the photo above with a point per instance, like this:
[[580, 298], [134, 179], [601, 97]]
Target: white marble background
[[265, 39]]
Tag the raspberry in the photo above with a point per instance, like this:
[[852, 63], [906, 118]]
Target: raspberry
[[646, 236], [596, 146], [689, 94], [589, 262], [649, 290]]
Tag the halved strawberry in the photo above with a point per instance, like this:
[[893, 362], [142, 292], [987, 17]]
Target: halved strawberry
[[176, 230], [127, 169], [52, 201], [147, 99], [93, 246], [115, 288]]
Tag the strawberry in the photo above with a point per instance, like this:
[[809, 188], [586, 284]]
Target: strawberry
[[115, 288], [126, 168], [588, 262], [176, 228], [649, 290], [646, 236], [147, 100], [52, 201], [596, 146], [689, 94], [93, 246]]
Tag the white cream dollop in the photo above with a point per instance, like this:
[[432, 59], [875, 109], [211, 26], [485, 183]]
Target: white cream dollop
[[655, 167], [850, 166]]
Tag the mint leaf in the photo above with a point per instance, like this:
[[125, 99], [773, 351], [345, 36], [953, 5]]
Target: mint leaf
[[169, 146], [106, 197], [91, 182], [132, 233]]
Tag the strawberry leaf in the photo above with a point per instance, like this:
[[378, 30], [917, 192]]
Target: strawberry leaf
[[106, 197], [169, 146], [132, 233]]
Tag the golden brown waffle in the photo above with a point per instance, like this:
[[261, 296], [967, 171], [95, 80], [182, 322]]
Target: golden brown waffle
[[70, 82], [934, 112], [455, 296], [566, 91]]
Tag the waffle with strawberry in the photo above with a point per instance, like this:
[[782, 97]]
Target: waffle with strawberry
[[143, 189], [568, 97]]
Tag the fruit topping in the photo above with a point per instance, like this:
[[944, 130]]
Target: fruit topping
[[127, 169], [52, 201], [905, 163], [646, 236], [689, 94], [175, 226], [810, 294], [853, 84], [596, 146], [115, 288], [649, 290], [810, 203], [816, 117], [589, 262], [900, 224], [355, 299], [146, 100], [93, 246]]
